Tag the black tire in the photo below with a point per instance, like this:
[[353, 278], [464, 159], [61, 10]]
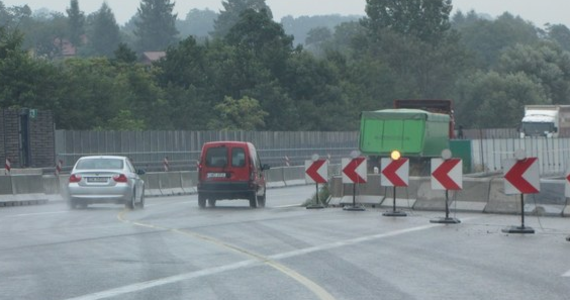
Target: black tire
[[130, 204], [141, 203], [201, 201], [212, 202], [253, 200]]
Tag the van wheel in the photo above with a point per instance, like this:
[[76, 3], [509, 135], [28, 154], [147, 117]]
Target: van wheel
[[253, 200], [201, 201], [212, 202]]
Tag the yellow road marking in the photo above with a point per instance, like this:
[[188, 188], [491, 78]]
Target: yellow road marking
[[319, 291]]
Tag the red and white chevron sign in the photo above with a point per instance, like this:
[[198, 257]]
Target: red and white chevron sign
[[316, 171], [354, 170], [446, 174], [394, 172], [521, 176]]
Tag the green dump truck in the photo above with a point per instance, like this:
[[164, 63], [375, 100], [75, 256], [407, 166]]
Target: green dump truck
[[415, 133]]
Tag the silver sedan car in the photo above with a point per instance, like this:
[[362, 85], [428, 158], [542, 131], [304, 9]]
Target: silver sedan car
[[105, 179]]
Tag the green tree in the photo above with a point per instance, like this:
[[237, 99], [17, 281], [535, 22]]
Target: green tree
[[256, 33], [24, 81], [104, 37], [46, 36], [495, 100], [238, 114], [426, 20], [486, 39], [318, 35], [561, 34], [124, 120], [156, 27], [198, 23], [125, 54], [232, 11], [546, 63], [76, 23]]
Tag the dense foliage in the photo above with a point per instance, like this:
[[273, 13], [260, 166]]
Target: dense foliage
[[240, 69]]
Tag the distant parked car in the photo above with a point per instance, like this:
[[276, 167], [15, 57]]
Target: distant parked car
[[231, 170], [105, 179]]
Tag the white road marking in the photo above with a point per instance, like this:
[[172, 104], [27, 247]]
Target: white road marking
[[350, 242], [212, 271], [163, 281], [40, 213], [567, 274], [286, 206]]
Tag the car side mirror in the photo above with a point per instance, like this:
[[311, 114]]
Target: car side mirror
[[141, 172], [265, 167]]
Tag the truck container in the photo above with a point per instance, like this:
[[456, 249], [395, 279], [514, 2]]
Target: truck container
[[442, 106], [545, 120], [413, 132]]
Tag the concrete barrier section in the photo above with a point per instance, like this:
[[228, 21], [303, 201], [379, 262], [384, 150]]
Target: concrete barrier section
[[189, 180], [429, 199], [63, 181], [499, 202], [369, 193], [26, 190], [275, 177], [406, 197], [170, 183], [152, 184], [550, 201], [27, 184], [294, 176], [50, 184], [474, 196], [6, 185]]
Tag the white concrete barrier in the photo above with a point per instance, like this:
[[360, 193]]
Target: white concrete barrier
[[152, 184], [189, 180], [170, 183], [499, 202]]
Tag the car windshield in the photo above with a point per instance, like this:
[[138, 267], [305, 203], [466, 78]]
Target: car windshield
[[100, 164]]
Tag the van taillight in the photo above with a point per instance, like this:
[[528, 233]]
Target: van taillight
[[120, 178], [74, 178]]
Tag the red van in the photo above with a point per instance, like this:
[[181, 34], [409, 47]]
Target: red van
[[230, 170]]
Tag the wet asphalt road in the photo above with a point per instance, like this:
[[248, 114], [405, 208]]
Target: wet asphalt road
[[174, 250]]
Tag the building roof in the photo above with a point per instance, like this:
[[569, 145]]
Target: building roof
[[152, 56]]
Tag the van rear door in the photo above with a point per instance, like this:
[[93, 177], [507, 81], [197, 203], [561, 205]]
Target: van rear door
[[226, 162]]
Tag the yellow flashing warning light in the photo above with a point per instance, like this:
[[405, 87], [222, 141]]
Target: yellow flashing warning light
[[395, 155]]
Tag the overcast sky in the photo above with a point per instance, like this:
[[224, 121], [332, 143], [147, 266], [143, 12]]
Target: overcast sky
[[537, 11]]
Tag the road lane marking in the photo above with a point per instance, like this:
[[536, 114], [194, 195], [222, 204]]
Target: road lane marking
[[567, 274], [320, 292], [287, 206], [40, 213], [359, 240], [163, 281]]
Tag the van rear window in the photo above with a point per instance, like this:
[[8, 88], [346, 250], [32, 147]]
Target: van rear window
[[238, 157], [217, 157]]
